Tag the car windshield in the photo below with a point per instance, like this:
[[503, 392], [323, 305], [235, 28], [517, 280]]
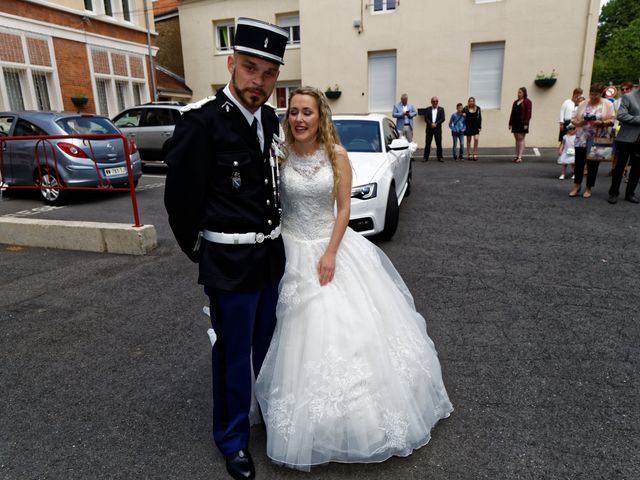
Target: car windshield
[[86, 125], [359, 135]]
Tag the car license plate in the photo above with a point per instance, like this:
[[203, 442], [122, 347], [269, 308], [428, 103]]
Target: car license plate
[[109, 172]]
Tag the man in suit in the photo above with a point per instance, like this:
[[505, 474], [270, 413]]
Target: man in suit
[[404, 112], [223, 206], [628, 148], [434, 118]]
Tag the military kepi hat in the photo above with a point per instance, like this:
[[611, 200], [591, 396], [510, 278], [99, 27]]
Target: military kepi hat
[[260, 39]]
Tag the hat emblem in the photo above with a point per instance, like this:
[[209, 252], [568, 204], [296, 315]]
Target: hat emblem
[[266, 42]]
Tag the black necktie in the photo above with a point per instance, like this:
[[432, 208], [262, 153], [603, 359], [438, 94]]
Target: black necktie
[[254, 128]]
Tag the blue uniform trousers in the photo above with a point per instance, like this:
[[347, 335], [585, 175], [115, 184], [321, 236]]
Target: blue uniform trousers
[[244, 324]]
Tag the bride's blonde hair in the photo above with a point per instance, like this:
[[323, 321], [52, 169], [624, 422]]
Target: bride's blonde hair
[[326, 135]]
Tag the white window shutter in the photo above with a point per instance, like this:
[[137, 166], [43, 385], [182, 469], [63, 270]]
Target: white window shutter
[[485, 76], [382, 81]]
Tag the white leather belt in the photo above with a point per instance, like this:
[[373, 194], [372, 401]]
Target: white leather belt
[[240, 238]]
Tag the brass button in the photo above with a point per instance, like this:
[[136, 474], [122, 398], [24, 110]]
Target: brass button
[[235, 163], [268, 202], [269, 222], [266, 181]]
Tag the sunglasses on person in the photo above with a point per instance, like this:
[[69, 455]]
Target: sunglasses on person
[[625, 89]]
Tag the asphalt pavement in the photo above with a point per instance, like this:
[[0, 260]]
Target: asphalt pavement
[[531, 298]]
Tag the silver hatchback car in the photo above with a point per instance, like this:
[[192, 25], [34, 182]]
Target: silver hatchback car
[[150, 126], [70, 162]]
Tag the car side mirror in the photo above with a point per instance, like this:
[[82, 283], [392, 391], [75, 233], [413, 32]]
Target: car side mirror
[[398, 144]]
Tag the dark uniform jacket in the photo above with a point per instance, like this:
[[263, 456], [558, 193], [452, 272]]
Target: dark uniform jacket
[[208, 146]]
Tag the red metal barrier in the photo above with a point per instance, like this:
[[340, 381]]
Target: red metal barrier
[[44, 143]]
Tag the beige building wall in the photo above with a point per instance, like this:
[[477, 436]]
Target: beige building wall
[[136, 10], [432, 41], [205, 66]]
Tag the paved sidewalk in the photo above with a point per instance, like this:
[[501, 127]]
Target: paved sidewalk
[[531, 298]]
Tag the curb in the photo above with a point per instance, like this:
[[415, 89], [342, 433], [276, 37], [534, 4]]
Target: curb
[[73, 235]]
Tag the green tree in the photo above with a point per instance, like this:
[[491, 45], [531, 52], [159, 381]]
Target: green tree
[[615, 15], [617, 56]]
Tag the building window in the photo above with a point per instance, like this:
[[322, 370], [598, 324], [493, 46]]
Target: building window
[[225, 36], [120, 82], [88, 5], [14, 79], [121, 95], [137, 96], [108, 10], [384, 5], [485, 76], [27, 73], [291, 23], [41, 88], [282, 95], [126, 11], [382, 81], [102, 86]]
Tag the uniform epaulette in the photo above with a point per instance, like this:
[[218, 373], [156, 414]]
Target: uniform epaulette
[[267, 104], [198, 104]]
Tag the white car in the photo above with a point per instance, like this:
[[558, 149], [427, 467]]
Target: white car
[[381, 161]]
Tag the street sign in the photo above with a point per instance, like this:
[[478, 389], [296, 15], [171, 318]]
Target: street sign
[[611, 91]]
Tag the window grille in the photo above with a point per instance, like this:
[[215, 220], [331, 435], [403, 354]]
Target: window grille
[[13, 79]]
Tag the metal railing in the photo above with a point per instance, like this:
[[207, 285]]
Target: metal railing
[[44, 145]]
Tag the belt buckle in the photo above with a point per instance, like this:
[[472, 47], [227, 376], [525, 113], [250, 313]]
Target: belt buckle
[[259, 237]]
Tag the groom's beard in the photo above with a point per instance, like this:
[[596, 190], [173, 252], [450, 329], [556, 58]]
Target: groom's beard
[[252, 97]]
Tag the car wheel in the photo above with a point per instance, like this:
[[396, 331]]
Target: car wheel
[[408, 190], [50, 189], [391, 216]]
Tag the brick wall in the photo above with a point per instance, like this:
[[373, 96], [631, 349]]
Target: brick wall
[[72, 20], [73, 72], [170, 46]]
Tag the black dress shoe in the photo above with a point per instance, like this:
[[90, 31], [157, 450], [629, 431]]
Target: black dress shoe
[[612, 199], [425, 159], [240, 465], [632, 199]]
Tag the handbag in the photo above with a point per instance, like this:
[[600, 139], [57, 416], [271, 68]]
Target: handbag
[[602, 147]]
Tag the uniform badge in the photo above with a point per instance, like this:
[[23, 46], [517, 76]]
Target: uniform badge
[[227, 106], [236, 180], [266, 42]]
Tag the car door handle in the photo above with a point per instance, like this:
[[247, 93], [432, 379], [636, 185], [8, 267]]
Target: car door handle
[[167, 134]]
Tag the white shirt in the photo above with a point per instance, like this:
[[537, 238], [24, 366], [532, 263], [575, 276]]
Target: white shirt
[[567, 110], [247, 114], [404, 110], [434, 114]]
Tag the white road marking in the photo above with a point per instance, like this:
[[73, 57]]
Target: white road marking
[[149, 186], [33, 211], [536, 151]]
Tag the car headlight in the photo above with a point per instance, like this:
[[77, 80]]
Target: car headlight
[[365, 192]]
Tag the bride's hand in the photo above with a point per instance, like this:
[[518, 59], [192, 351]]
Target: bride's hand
[[326, 268]]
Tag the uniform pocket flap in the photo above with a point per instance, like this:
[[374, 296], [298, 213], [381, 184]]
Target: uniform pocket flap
[[233, 159]]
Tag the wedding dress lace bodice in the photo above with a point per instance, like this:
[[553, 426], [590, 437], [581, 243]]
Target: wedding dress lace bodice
[[307, 196]]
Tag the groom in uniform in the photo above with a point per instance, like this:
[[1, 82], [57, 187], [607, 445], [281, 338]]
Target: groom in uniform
[[221, 197]]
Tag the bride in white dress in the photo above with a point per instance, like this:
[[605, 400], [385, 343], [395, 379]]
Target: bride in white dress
[[351, 374]]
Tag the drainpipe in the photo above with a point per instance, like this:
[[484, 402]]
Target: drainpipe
[[151, 62], [590, 34]]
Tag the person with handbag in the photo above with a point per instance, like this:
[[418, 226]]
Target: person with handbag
[[628, 148], [593, 120]]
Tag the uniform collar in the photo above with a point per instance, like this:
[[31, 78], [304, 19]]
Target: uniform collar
[[247, 114]]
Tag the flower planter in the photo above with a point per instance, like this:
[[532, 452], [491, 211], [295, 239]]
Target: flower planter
[[333, 94], [79, 101], [545, 82]]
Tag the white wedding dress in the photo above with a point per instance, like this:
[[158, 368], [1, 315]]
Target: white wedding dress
[[351, 375]]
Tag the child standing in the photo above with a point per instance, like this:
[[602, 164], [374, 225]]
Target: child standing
[[457, 126], [568, 151]]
